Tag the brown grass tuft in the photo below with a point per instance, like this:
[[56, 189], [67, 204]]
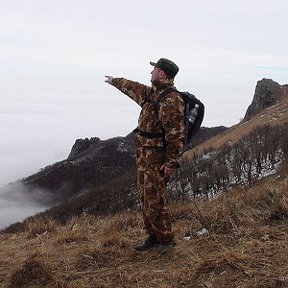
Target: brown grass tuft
[[33, 272], [96, 258], [116, 241], [39, 225]]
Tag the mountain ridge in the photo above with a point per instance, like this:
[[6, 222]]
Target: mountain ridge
[[93, 162], [274, 115]]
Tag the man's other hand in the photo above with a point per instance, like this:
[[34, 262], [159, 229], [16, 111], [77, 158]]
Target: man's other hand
[[167, 170]]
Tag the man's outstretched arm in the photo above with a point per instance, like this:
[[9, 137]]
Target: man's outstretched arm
[[136, 91]]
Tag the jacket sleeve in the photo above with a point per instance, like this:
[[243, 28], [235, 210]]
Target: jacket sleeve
[[171, 114], [136, 91]]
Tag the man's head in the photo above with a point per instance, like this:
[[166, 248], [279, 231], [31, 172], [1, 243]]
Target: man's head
[[169, 68]]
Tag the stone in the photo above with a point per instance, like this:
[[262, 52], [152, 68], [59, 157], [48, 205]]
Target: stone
[[267, 93]]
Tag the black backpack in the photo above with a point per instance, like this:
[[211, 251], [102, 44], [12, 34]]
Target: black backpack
[[193, 120]]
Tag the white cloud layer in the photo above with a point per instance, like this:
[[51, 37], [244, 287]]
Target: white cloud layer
[[18, 202]]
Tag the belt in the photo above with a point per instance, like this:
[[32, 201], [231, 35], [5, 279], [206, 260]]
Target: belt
[[148, 134]]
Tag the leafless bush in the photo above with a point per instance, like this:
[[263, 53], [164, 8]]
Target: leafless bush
[[254, 156]]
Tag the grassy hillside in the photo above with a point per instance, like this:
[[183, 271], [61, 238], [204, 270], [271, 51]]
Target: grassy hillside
[[237, 240], [276, 115], [246, 246]]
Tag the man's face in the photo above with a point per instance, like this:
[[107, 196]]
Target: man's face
[[156, 74]]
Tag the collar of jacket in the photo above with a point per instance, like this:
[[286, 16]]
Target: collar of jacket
[[162, 84]]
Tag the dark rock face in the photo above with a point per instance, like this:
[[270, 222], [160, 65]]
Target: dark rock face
[[91, 162], [82, 145], [267, 93]]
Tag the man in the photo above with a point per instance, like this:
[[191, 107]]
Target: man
[[159, 146]]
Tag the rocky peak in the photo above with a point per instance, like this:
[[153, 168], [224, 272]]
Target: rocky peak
[[82, 145], [267, 93]]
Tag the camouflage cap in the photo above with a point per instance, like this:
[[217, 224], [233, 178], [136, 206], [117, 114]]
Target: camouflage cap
[[168, 66]]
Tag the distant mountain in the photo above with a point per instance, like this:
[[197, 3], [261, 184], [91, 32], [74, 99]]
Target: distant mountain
[[270, 113], [91, 162], [250, 150]]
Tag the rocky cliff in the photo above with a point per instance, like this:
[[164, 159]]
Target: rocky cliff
[[91, 162], [267, 93], [94, 162]]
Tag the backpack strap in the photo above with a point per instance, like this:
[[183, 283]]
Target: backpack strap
[[156, 103], [163, 94]]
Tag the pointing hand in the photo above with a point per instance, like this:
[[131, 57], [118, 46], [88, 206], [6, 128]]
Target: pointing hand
[[109, 79]]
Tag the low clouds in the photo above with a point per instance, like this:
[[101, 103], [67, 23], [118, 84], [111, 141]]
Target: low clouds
[[39, 125], [17, 202]]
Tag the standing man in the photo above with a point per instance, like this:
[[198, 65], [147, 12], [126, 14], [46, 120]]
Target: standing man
[[159, 146]]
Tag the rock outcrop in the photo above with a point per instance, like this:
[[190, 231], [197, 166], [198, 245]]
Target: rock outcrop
[[267, 93], [94, 162], [82, 145], [91, 162]]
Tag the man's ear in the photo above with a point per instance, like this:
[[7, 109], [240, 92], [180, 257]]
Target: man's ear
[[162, 74]]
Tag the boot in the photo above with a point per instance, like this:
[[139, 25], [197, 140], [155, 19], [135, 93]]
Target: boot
[[163, 246], [150, 242]]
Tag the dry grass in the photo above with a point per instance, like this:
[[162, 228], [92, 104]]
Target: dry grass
[[32, 273], [246, 246]]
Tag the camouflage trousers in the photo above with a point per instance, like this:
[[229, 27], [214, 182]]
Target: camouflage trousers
[[151, 184]]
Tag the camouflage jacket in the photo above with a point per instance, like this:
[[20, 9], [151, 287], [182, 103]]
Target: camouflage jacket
[[169, 117]]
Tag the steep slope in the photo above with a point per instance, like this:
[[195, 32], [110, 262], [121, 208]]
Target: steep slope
[[91, 162], [240, 155], [275, 115], [237, 240]]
